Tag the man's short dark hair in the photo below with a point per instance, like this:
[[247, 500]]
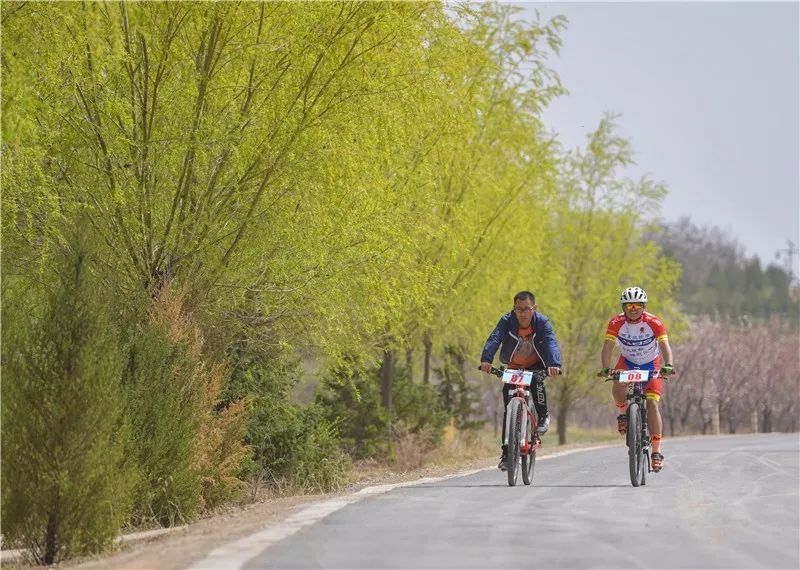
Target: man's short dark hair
[[522, 295]]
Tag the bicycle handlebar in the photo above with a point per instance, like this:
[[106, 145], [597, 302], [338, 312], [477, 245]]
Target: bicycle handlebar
[[537, 374]]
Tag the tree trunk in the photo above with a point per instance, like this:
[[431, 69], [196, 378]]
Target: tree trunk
[[754, 421], [715, 420], [565, 400], [428, 343], [387, 375], [561, 423], [410, 364], [668, 415], [687, 411], [767, 424], [51, 540]]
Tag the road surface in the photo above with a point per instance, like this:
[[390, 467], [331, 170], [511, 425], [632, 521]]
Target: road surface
[[720, 502]]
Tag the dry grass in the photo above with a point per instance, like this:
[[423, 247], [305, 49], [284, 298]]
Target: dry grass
[[463, 449]]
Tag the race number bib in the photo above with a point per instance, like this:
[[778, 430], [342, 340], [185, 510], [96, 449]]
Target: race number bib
[[518, 377], [634, 376]]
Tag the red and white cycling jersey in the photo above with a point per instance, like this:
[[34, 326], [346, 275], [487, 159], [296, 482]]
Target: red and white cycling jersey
[[638, 341]]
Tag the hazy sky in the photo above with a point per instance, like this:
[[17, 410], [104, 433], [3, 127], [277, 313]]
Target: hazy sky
[[708, 96]]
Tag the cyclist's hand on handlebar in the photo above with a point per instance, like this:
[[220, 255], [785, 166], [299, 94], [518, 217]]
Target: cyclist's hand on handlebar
[[486, 367], [553, 371], [666, 370], [605, 373]]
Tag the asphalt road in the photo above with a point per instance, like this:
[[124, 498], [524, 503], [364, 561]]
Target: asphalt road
[[725, 502]]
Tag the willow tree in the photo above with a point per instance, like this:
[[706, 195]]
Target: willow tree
[[598, 246], [245, 149], [493, 180]]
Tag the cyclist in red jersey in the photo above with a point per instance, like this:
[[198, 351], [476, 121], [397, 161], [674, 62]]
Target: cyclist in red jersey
[[642, 339]]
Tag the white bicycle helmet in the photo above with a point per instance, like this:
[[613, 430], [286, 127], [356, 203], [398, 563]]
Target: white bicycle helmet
[[633, 295]]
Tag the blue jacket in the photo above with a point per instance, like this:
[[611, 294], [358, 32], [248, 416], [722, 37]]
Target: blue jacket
[[505, 336]]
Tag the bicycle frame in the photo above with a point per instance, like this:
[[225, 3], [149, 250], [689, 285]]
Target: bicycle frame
[[529, 417], [638, 435]]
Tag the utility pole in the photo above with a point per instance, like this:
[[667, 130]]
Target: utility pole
[[787, 255]]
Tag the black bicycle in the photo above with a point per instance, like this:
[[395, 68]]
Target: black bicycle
[[522, 439], [638, 435]]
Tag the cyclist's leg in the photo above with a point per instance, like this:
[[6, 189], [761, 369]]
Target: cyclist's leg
[[619, 392], [654, 422], [540, 403]]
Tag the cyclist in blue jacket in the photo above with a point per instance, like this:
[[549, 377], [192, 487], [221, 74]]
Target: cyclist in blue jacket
[[526, 341]]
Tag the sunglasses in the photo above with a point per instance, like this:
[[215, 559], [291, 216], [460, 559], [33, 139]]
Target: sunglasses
[[633, 306]]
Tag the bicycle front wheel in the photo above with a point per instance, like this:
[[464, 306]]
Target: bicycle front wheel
[[529, 460], [512, 459], [635, 443]]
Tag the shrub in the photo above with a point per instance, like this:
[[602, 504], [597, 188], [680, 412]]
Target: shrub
[[417, 410], [460, 398], [187, 453], [295, 447], [351, 400], [164, 418], [292, 446], [66, 488]]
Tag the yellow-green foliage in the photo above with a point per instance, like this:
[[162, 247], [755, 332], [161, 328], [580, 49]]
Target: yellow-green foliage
[[346, 167]]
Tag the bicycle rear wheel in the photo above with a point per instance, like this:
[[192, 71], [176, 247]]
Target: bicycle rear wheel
[[512, 459], [634, 444], [529, 460]]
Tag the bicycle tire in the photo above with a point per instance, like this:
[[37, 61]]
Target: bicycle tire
[[634, 443], [645, 446], [643, 460], [529, 461], [512, 458]]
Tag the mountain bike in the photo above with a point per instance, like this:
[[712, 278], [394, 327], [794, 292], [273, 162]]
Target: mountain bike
[[522, 439], [638, 435]]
